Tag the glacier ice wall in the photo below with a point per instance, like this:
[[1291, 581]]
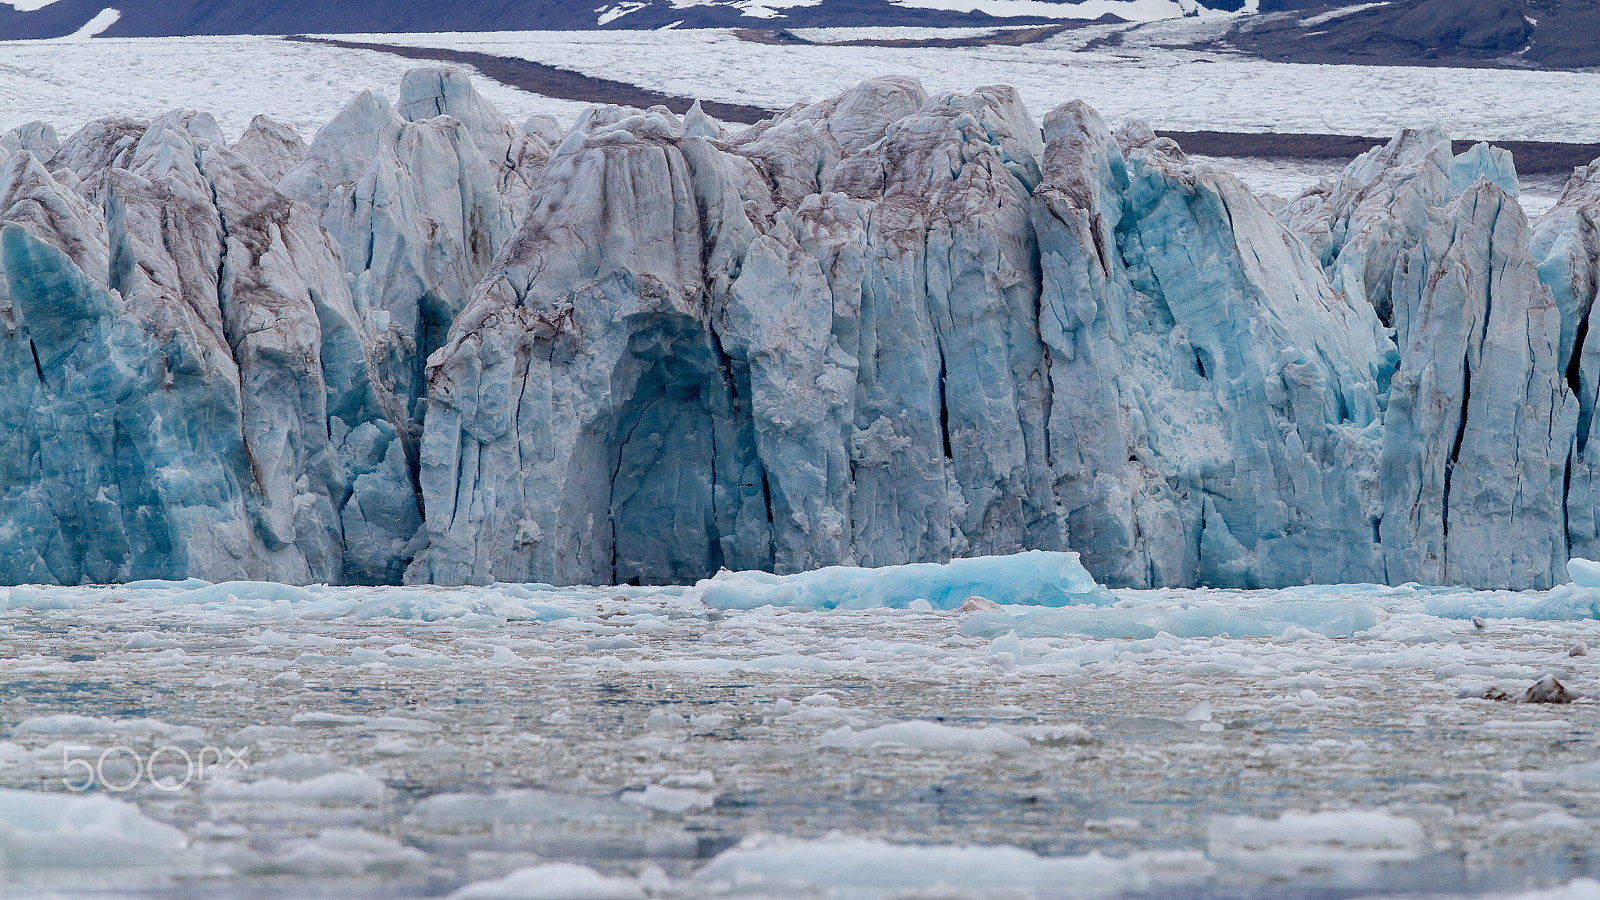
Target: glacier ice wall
[[1214, 396], [881, 329], [1479, 429], [180, 351]]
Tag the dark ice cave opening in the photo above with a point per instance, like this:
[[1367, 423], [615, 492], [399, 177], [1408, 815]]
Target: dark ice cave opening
[[663, 471]]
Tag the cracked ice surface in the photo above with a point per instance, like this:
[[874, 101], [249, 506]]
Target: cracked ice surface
[[633, 742]]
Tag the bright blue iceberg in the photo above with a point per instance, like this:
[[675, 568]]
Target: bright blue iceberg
[[1033, 578]]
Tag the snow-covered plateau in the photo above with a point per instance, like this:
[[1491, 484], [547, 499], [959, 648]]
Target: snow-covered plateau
[[304, 84], [1134, 77], [167, 739]]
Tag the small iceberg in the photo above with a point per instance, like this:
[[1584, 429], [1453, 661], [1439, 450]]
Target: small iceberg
[[1032, 578], [1584, 572]]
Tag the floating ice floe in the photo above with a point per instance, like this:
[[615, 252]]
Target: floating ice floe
[[1564, 602], [528, 807], [61, 831], [1300, 841], [561, 881], [859, 868], [69, 725], [1576, 889], [928, 736], [348, 852], [1287, 618], [1033, 578], [672, 800], [335, 789]]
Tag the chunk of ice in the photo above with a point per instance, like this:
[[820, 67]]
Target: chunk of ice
[[560, 881], [876, 868], [269, 591], [674, 800], [332, 789], [1033, 578], [1300, 841], [56, 831], [1282, 618], [928, 736], [1584, 572]]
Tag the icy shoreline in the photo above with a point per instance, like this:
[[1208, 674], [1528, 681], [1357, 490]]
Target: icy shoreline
[[424, 738]]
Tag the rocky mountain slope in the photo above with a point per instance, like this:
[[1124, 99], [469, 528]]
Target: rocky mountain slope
[[1551, 34], [1539, 34], [882, 328], [165, 18]]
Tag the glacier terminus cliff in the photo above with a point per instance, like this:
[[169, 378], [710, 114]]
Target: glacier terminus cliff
[[886, 328]]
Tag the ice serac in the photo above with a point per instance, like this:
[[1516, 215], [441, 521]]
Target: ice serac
[[1482, 160], [668, 349], [544, 127], [198, 248], [1480, 421], [1214, 400], [1566, 247], [38, 138], [583, 425], [516, 154], [189, 364], [1362, 223], [113, 468], [798, 149], [1121, 512], [944, 341], [275, 148], [416, 213], [947, 443], [86, 158]]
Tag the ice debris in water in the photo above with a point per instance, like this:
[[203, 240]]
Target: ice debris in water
[[1576, 889], [1578, 600], [1032, 578], [1548, 689]]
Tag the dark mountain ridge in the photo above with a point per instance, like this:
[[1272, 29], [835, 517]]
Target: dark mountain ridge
[[169, 18], [1546, 34]]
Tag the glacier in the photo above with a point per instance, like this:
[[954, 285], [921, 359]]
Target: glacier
[[883, 329]]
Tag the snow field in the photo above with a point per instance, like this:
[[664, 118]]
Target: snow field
[[1176, 90], [69, 84]]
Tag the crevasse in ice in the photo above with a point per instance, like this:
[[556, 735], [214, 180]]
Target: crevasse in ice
[[880, 330]]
